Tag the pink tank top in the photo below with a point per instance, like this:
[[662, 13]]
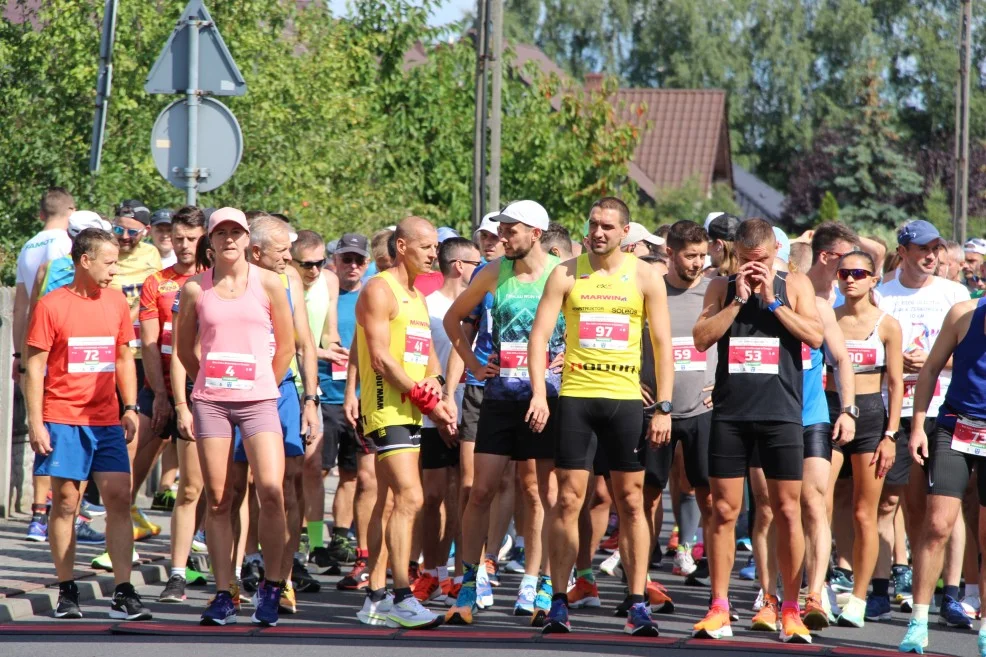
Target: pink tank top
[[235, 335]]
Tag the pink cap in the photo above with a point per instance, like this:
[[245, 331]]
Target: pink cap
[[223, 215]]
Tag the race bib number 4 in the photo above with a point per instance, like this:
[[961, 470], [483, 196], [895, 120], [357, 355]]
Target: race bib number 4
[[165, 340], [230, 371], [339, 370], [417, 344], [969, 437], [91, 355], [754, 355], [686, 357], [604, 331], [910, 384]]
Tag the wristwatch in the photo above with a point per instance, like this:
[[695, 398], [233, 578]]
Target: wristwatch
[[851, 411], [664, 407], [311, 398], [131, 407], [739, 301], [892, 435], [441, 380], [774, 305]]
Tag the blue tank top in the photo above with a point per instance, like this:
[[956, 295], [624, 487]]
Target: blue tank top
[[484, 333], [815, 410], [334, 388], [966, 393], [60, 273]]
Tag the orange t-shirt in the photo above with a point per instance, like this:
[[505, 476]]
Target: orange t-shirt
[[81, 336], [157, 297]]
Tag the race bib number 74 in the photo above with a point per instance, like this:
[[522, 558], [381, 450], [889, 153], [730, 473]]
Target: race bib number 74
[[754, 355]]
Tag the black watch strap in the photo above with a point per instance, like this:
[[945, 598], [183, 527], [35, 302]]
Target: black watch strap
[[312, 398], [131, 407]]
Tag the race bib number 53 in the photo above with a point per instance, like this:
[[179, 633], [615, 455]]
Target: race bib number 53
[[754, 355], [604, 331], [91, 355]]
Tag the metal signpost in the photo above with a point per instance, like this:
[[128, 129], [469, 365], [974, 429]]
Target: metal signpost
[[195, 62], [103, 84]]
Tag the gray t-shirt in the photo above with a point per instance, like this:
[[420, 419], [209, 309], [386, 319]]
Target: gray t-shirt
[[692, 370]]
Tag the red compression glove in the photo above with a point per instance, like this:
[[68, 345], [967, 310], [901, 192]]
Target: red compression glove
[[423, 399]]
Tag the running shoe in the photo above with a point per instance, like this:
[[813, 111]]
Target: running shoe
[[409, 614], [556, 621], [102, 562], [814, 615], [715, 625], [673, 541], [238, 596], [542, 602], [749, 571], [198, 542], [302, 579], [971, 605], [493, 572], [340, 550], [515, 564], [221, 610], [142, 521], [465, 603], [88, 510], [140, 533], [766, 618], [194, 578], [375, 613], [610, 564], [266, 601], [743, 544], [484, 592], [793, 629], [164, 500], [174, 590], [251, 575], [639, 621], [37, 531], [658, 598], [127, 605], [684, 563], [453, 593], [68, 602], [877, 608], [951, 614], [758, 603], [357, 579], [288, 602], [981, 642], [611, 543], [584, 594], [413, 572], [851, 618], [86, 535], [841, 581], [698, 551], [323, 563], [916, 638], [505, 547], [902, 578], [525, 600], [427, 588], [701, 576]]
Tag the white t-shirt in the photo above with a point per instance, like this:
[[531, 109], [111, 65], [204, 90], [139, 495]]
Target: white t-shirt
[[438, 304], [43, 247], [168, 260], [921, 313]]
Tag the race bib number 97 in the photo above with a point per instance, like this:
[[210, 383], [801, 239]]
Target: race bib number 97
[[91, 355], [754, 355], [230, 371], [604, 331]]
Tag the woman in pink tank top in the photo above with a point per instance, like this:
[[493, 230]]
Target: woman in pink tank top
[[233, 308]]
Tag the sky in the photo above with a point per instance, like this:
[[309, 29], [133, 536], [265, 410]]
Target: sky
[[450, 11]]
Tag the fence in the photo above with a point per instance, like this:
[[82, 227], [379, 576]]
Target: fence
[[12, 482]]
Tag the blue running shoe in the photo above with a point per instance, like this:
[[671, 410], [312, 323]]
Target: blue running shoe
[[266, 599], [916, 639], [951, 614], [840, 581], [749, 571], [545, 591], [557, 619], [639, 621], [86, 535], [37, 531], [877, 608], [221, 611], [484, 590], [525, 600], [90, 510], [464, 608], [743, 544], [515, 563]]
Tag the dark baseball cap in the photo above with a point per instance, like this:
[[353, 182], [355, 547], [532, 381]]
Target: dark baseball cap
[[354, 243], [162, 216], [918, 232], [134, 209], [724, 227]]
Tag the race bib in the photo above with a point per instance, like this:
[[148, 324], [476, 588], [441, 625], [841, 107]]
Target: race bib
[[754, 355], [165, 340], [135, 343], [604, 331], [686, 357], [273, 346], [513, 360], [230, 371], [91, 355], [417, 344], [805, 357], [863, 357], [910, 383], [339, 370], [969, 436]]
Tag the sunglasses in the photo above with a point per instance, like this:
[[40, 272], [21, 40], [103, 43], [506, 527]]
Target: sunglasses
[[308, 264], [128, 232], [474, 263], [352, 259], [856, 274]]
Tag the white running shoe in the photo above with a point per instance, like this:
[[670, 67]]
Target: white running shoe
[[684, 563], [484, 592], [505, 548], [758, 603], [409, 614], [375, 613], [610, 563], [971, 605]]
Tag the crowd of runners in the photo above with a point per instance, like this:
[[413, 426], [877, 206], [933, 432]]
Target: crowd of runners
[[518, 379]]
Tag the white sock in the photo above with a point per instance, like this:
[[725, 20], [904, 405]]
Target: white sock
[[529, 579], [442, 573], [236, 572], [920, 613], [178, 571], [971, 590]]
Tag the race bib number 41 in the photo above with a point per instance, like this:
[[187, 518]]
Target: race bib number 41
[[604, 331], [230, 371], [969, 437], [686, 357], [91, 355], [754, 355], [417, 344]]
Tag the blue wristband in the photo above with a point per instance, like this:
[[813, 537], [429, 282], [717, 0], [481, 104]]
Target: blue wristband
[[777, 303]]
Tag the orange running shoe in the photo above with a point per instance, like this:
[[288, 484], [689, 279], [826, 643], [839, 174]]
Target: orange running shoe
[[612, 543], [814, 615], [453, 592], [584, 594], [715, 625], [426, 587], [673, 541], [793, 629], [766, 618], [658, 598], [493, 571]]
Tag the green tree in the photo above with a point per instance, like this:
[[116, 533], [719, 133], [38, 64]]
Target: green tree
[[689, 201], [829, 209], [936, 209]]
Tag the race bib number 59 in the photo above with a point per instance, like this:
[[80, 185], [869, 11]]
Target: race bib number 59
[[91, 355], [604, 331], [686, 357], [754, 355]]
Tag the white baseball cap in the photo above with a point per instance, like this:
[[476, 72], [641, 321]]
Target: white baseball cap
[[489, 224], [638, 233], [529, 213], [79, 220], [975, 245]]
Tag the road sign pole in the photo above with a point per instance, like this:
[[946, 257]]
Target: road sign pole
[[192, 96]]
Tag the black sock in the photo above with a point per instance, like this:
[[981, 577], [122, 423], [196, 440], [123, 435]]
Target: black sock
[[125, 587], [66, 586], [635, 599], [401, 594], [340, 531], [560, 597], [376, 595], [881, 587], [951, 591]]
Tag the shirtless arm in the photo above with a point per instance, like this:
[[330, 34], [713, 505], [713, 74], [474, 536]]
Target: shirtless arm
[[186, 327], [559, 284], [801, 317], [304, 345], [282, 323], [373, 312], [718, 313], [484, 282], [659, 322], [844, 429]]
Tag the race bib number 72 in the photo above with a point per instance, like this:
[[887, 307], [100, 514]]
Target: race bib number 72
[[91, 355]]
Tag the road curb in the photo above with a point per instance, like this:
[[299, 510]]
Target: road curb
[[96, 586]]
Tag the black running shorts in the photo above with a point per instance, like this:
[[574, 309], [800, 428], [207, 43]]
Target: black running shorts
[[948, 471], [781, 449], [610, 425], [504, 432]]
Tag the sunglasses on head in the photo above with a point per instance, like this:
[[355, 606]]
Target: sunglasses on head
[[308, 264], [352, 259], [128, 232], [856, 274]]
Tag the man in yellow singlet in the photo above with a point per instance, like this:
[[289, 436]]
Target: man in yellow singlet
[[605, 295]]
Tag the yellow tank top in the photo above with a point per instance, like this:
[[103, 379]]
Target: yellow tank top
[[293, 371], [382, 405], [603, 315]]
